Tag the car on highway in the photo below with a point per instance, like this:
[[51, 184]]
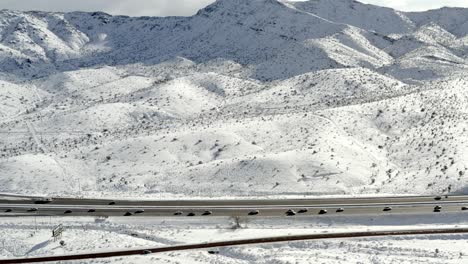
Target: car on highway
[[207, 213], [68, 212], [340, 210], [302, 211], [178, 213], [290, 212], [323, 211], [464, 208], [191, 214], [34, 209], [91, 210], [128, 214], [139, 211], [254, 212], [387, 208], [42, 200], [7, 210]]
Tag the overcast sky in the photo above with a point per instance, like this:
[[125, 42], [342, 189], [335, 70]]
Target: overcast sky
[[182, 7]]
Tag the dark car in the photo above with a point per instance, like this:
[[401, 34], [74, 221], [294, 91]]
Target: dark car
[[42, 200], [464, 208], [139, 211], [32, 209], [302, 211], [128, 214], [191, 214], [255, 212], [290, 212], [323, 211], [178, 213], [68, 212], [207, 213], [340, 210], [388, 208]]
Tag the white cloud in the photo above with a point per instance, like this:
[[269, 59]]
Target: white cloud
[[418, 5], [182, 7], [157, 7], [116, 7]]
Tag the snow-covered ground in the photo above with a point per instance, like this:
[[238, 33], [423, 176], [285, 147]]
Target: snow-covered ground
[[247, 98], [257, 98], [86, 234]]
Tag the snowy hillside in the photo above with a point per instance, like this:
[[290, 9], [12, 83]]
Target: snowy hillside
[[245, 98]]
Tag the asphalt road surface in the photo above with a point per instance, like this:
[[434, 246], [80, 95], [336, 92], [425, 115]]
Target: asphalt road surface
[[16, 206], [36, 206]]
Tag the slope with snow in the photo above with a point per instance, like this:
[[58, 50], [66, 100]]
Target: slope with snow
[[245, 98]]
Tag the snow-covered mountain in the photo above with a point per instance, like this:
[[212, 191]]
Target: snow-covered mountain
[[247, 97]]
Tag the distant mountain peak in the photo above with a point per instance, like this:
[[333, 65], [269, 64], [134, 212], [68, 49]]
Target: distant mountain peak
[[225, 5], [369, 17]]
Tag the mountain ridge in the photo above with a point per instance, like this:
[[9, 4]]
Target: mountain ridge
[[76, 43]]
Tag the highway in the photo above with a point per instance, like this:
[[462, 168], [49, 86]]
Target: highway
[[17, 206], [37, 206]]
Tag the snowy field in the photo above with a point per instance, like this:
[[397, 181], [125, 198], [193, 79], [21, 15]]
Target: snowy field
[[87, 234], [249, 100]]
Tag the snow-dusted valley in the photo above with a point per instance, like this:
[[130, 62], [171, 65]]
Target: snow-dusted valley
[[245, 99]]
